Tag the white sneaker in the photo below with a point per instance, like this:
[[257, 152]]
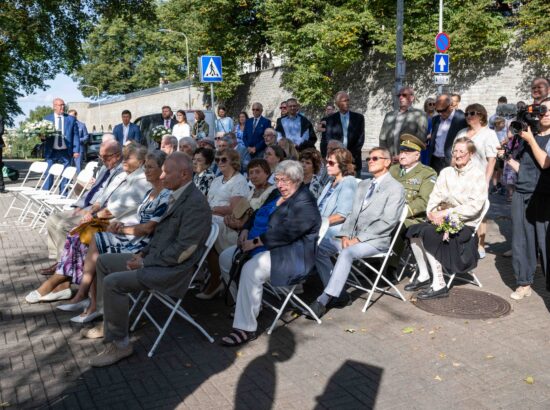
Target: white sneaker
[[521, 292]]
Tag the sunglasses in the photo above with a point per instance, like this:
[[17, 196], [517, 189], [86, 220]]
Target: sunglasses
[[282, 107], [471, 114], [443, 110], [403, 95], [331, 163], [374, 159], [431, 104], [221, 160], [256, 109]]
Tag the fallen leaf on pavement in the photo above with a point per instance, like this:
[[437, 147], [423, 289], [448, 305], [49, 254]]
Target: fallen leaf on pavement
[[350, 330], [408, 330], [239, 354], [456, 364], [529, 380], [489, 357], [438, 378], [442, 355], [363, 330]]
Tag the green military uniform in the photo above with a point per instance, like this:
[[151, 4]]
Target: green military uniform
[[418, 183]]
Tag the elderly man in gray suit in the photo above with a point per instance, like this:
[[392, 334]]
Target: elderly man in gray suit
[[367, 230], [165, 264]]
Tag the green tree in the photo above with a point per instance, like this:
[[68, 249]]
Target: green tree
[[534, 19], [322, 39], [39, 113], [41, 38]]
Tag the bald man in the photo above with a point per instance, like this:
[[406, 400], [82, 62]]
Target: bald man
[[165, 264]]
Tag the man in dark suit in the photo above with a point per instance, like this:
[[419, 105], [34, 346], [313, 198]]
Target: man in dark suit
[[352, 136], [167, 118], [445, 126], [64, 145], [82, 136], [296, 127], [165, 264], [127, 131], [253, 135], [2, 187]]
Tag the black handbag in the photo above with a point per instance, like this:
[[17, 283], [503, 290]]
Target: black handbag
[[239, 259]]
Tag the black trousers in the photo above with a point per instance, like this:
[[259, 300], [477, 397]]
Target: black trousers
[[438, 163], [530, 223], [2, 187]]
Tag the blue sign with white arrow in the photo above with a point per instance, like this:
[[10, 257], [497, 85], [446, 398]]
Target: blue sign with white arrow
[[210, 69], [441, 63]]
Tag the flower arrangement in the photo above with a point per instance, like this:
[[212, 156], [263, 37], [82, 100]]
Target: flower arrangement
[[40, 128], [158, 132], [451, 225]]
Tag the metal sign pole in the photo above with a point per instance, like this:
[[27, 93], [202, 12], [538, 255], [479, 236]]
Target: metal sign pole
[[398, 53], [440, 88], [212, 97]]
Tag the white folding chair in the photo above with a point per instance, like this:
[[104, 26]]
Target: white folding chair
[[37, 167], [288, 292], [90, 166], [453, 276], [173, 304], [356, 273], [55, 171]]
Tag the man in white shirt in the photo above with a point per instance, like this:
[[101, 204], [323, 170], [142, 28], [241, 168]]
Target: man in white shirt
[[297, 128]]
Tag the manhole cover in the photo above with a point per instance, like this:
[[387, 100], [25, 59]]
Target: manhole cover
[[468, 304]]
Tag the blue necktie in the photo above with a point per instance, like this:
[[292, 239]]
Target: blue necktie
[[95, 188], [372, 187], [59, 133]]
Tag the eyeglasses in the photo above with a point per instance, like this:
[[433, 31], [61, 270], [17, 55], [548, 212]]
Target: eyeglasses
[[256, 109], [221, 160], [331, 163], [106, 156], [282, 107], [374, 159], [431, 104], [443, 109], [218, 138], [282, 181], [403, 95], [471, 114]]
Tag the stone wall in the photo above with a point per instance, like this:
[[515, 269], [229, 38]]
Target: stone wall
[[369, 83]]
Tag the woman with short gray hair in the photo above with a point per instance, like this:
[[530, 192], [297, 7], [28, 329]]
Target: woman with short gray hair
[[188, 145], [284, 254]]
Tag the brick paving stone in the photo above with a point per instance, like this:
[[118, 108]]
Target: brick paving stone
[[446, 363]]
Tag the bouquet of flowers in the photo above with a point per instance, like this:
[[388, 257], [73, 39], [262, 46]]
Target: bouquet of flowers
[[158, 132], [451, 225], [41, 129]]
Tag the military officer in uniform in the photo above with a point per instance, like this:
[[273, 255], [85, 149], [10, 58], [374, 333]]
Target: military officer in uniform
[[418, 181]]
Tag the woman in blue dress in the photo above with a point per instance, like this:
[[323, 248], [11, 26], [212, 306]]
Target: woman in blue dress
[[239, 127], [122, 238]]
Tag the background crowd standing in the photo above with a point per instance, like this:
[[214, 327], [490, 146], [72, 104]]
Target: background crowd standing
[[144, 221]]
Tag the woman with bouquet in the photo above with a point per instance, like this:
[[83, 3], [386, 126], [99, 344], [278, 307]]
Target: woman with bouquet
[[446, 240]]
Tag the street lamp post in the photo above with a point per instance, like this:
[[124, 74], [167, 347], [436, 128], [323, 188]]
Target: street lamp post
[[166, 30], [98, 102]]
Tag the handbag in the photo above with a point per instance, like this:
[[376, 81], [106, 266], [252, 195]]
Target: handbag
[[239, 259], [240, 215], [87, 230]]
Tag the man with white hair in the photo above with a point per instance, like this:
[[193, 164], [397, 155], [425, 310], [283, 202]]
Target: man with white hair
[[253, 134], [169, 144]]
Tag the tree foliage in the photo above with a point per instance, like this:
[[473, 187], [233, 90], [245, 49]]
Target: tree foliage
[[39, 113], [41, 38], [534, 20]]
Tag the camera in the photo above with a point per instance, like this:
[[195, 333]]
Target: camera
[[528, 117]]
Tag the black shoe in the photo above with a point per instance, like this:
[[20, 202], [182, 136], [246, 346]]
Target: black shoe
[[431, 294], [340, 302], [318, 308], [416, 285]]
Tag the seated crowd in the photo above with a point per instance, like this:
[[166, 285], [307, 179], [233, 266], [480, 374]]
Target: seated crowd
[[144, 222]]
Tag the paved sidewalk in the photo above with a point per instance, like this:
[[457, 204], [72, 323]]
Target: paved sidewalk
[[353, 360]]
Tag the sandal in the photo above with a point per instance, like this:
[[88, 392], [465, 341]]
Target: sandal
[[238, 337]]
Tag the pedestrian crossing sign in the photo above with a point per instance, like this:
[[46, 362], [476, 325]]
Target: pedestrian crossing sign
[[210, 69]]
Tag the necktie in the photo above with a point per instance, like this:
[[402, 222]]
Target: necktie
[[372, 187], [402, 172], [95, 188], [59, 132], [345, 125], [255, 123], [167, 123]]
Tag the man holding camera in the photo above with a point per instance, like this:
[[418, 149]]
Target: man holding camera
[[530, 210]]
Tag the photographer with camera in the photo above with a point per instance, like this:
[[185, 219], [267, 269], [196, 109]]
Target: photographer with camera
[[530, 210]]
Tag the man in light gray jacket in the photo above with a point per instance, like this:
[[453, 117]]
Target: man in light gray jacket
[[165, 264], [367, 230]]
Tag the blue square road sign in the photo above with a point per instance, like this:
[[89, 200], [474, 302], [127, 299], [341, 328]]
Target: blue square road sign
[[211, 69], [441, 63]]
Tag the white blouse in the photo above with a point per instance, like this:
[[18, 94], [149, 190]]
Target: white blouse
[[487, 145], [463, 190], [181, 130], [220, 193]]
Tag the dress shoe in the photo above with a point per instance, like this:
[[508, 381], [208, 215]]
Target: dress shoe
[[111, 355], [210, 296], [416, 285], [87, 318], [318, 308], [340, 302], [433, 294]]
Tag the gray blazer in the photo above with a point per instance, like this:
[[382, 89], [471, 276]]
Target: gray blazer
[[128, 196], [114, 172], [415, 123], [375, 221], [177, 244]]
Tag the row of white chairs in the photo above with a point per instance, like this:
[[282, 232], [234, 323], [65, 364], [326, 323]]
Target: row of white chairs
[[34, 203]]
